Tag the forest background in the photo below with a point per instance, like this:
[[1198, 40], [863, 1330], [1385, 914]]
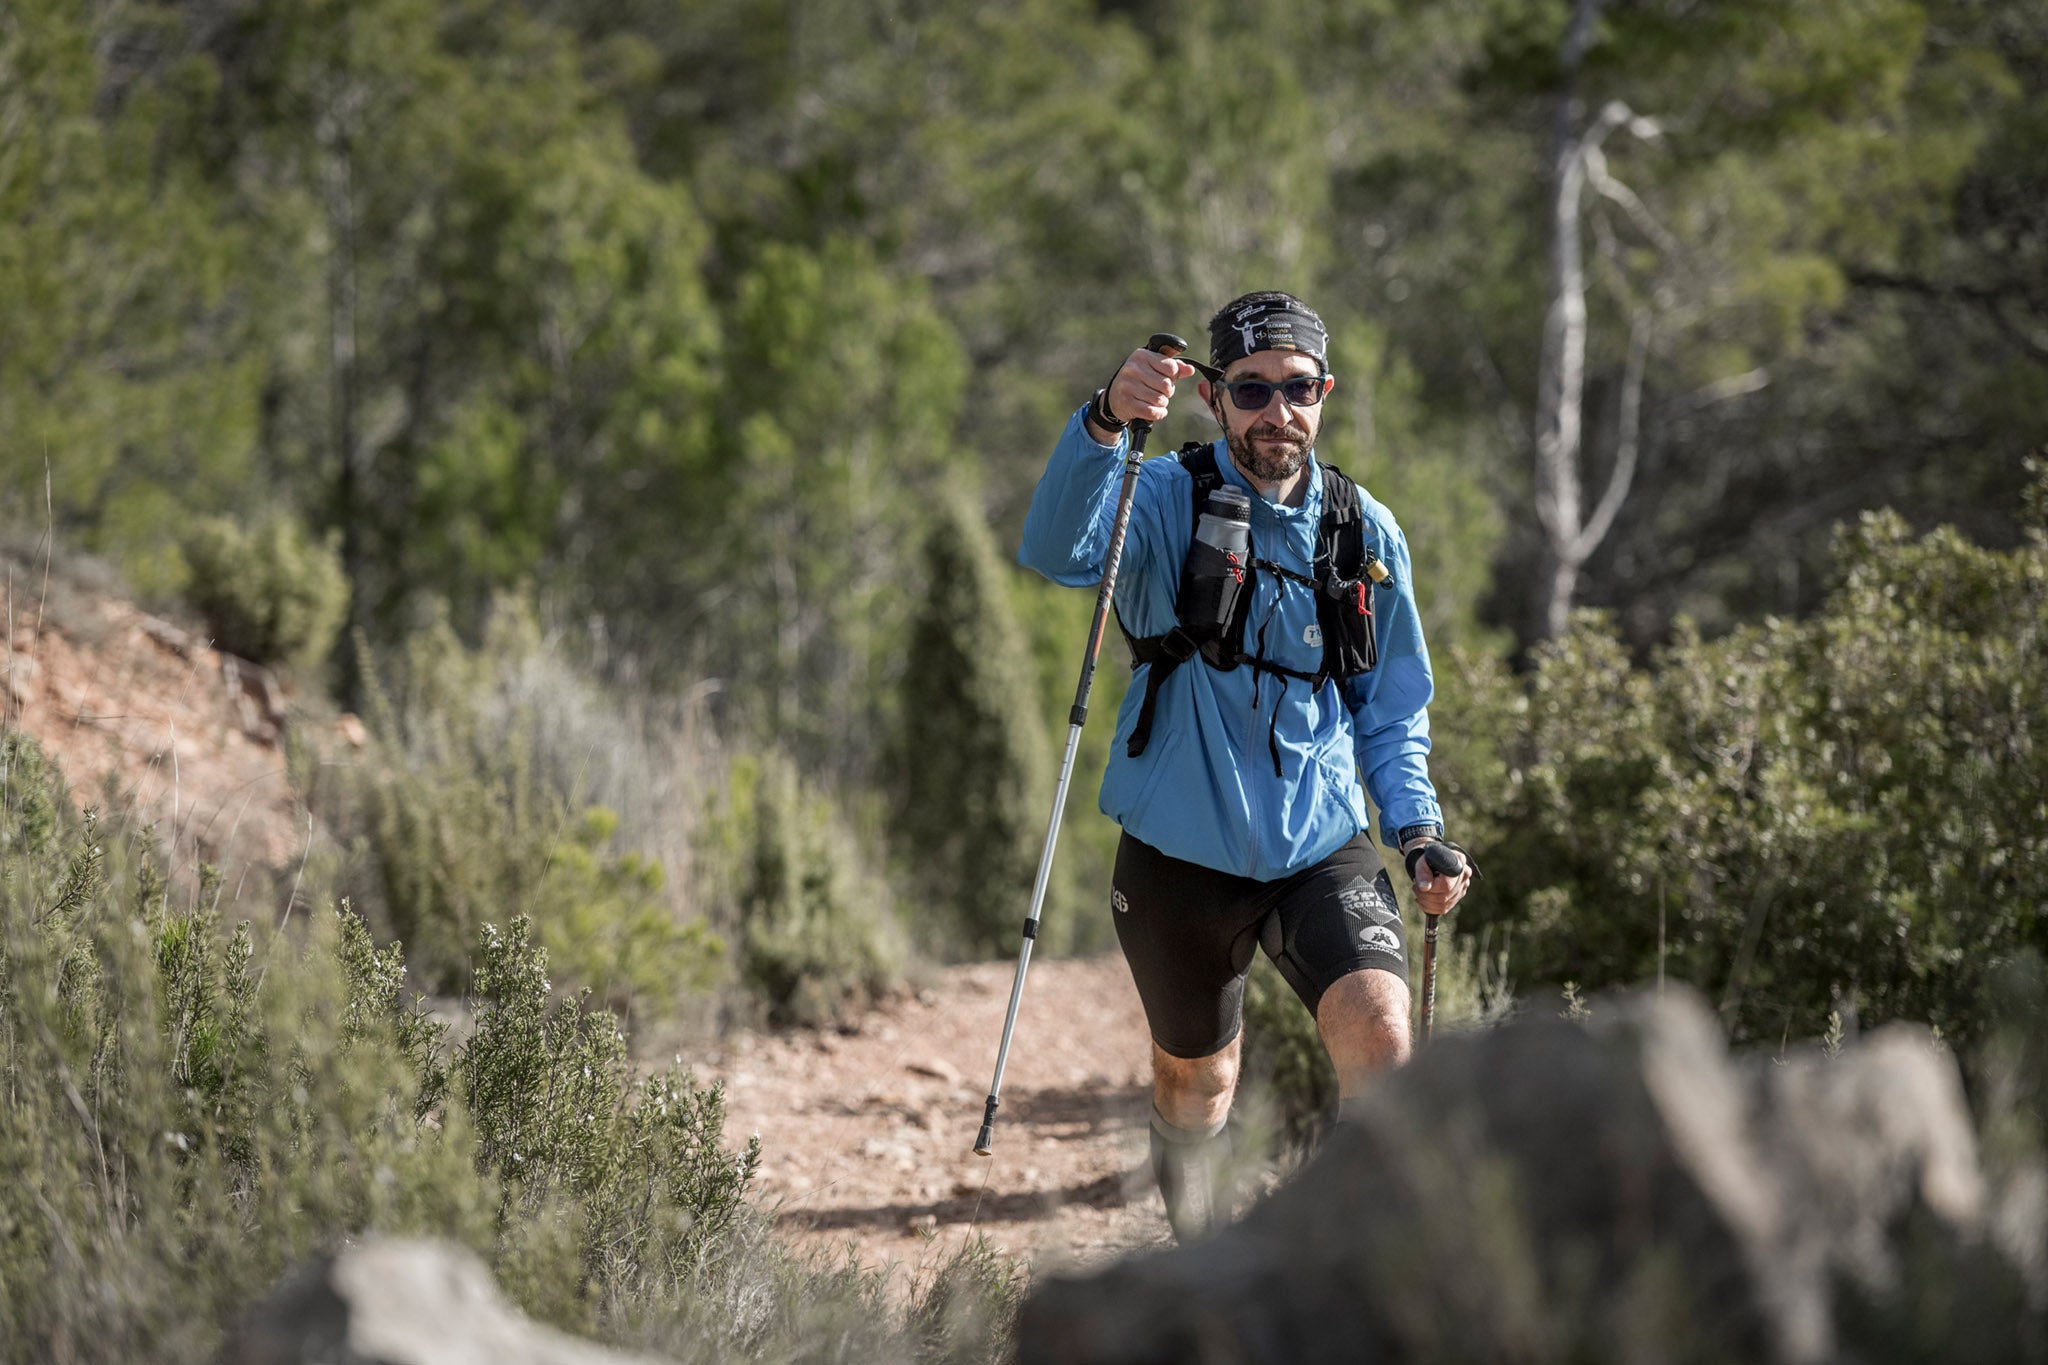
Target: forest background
[[630, 410], [720, 346]]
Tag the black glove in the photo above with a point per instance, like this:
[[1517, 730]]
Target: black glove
[[1445, 859]]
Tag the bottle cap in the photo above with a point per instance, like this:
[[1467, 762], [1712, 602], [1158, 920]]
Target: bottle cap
[[1231, 504]]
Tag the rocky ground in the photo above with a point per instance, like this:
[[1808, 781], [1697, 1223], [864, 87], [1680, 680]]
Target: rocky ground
[[869, 1131]]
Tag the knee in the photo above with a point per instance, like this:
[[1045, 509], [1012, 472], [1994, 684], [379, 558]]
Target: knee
[[1363, 1020], [1190, 1086]]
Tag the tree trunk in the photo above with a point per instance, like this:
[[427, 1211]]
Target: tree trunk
[[1561, 365]]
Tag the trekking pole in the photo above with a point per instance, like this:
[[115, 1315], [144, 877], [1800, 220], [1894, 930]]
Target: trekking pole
[[1168, 345], [1447, 862], [1429, 974]]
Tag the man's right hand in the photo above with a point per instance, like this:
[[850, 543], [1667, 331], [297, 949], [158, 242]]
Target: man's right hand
[[1142, 388]]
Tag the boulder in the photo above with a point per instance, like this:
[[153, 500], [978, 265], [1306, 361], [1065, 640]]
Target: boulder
[[1618, 1189], [400, 1302]]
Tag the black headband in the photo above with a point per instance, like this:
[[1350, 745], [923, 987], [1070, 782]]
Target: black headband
[[1266, 322]]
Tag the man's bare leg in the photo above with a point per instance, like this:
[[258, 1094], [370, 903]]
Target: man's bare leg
[[1363, 1019]]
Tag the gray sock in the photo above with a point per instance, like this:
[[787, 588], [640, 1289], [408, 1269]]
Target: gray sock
[[1192, 1168]]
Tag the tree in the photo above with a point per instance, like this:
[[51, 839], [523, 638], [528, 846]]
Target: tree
[[840, 387], [126, 399], [972, 764]]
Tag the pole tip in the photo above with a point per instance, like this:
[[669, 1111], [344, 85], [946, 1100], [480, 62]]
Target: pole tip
[[984, 1141]]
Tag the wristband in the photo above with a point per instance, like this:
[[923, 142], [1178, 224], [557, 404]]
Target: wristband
[[1429, 829], [1098, 412]]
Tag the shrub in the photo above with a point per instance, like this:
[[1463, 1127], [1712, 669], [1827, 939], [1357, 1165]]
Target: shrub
[[972, 760], [191, 1110], [272, 594], [477, 804], [1848, 814], [814, 930]]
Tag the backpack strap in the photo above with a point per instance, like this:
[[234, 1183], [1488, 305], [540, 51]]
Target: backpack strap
[[1343, 524], [1164, 653], [1199, 459], [1343, 580]]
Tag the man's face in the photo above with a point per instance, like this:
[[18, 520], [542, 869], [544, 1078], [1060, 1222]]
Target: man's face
[[1273, 442]]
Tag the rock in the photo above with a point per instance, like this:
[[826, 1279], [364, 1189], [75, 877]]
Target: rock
[[1618, 1190], [400, 1303], [22, 671], [938, 1068], [177, 641]]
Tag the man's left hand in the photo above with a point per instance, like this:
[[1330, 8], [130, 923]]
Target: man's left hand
[[1439, 893]]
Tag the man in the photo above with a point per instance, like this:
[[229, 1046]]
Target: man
[[1243, 815]]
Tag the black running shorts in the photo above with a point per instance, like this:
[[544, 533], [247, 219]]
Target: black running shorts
[[1189, 932]]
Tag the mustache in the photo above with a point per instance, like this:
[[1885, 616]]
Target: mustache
[[1266, 431]]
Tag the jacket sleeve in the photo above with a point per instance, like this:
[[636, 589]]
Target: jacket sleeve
[[1390, 705], [1073, 511]]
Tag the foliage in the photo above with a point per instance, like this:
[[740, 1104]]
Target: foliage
[[814, 931], [1845, 814], [126, 400], [481, 801], [811, 558], [190, 1111], [968, 1299], [271, 593], [972, 761]]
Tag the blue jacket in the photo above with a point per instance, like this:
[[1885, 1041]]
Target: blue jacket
[[1204, 789]]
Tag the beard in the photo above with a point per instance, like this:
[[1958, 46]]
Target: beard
[[1271, 463]]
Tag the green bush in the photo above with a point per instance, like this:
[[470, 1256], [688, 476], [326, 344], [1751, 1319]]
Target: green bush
[[1844, 814], [814, 929], [476, 804], [272, 594], [189, 1111], [972, 760]]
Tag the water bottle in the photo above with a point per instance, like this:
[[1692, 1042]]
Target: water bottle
[[1214, 574]]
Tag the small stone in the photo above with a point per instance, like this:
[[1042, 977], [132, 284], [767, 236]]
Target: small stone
[[938, 1068], [923, 1223], [21, 679]]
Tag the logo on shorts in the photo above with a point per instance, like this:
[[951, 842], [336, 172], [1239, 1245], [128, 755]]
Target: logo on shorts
[[1381, 937], [1362, 900], [1116, 898]]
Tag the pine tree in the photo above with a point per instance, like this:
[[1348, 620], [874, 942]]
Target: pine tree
[[972, 762]]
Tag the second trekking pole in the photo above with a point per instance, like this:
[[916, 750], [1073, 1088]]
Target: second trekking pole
[[1168, 345]]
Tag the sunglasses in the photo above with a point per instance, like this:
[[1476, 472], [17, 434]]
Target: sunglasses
[[1252, 395]]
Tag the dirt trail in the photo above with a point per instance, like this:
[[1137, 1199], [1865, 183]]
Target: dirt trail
[[868, 1134]]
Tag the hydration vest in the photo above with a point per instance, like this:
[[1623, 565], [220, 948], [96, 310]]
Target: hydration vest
[[1345, 571]]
